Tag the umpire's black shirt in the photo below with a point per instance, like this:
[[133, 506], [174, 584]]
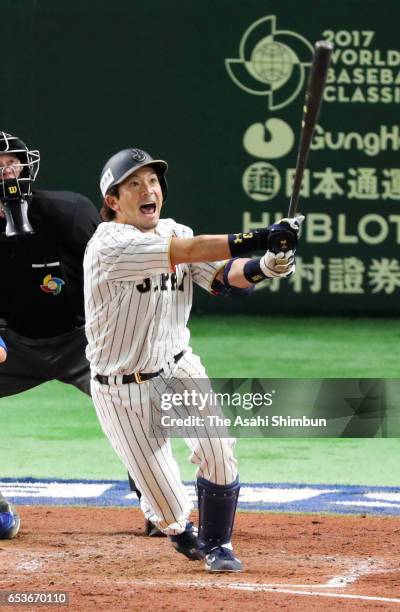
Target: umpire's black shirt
[[41, 280]]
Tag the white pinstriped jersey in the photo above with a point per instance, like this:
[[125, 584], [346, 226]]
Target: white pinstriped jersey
[[136, 308]]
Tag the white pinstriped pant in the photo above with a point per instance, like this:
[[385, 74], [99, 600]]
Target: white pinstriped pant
[[124, 412]]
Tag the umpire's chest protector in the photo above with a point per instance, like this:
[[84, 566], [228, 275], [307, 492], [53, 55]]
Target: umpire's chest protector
[[34, 284]]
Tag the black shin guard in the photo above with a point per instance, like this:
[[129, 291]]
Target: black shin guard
[[217, 508]]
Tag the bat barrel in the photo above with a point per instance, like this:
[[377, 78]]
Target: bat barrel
[[315, 89]]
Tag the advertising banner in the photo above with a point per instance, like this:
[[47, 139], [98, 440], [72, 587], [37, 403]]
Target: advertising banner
[[217, 89]]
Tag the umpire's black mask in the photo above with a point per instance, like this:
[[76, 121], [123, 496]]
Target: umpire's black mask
[[16, 183], [15, 208]]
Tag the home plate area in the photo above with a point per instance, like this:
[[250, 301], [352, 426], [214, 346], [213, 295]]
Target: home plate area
[[101, 558], [318, 547]]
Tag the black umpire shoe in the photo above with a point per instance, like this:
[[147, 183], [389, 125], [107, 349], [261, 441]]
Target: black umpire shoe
[[187, 543], [222, 559]]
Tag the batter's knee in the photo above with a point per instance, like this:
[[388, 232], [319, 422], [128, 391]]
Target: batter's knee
[[216, 460]]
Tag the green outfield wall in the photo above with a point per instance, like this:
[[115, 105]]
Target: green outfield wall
[[217, 88]]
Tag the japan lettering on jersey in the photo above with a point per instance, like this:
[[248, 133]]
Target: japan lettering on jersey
[[136, 306]]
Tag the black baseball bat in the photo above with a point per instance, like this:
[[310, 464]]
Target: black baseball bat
[[315, 90], [281, 239]]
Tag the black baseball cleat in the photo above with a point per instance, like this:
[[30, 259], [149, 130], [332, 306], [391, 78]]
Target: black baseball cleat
[[187, 544], [221, 559], [152, 531], [9, 520]]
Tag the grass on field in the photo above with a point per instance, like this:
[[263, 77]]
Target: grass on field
[[290, 347], [52, 431]]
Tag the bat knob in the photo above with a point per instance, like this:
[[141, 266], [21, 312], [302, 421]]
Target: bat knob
[[325, 45], [282, 238]]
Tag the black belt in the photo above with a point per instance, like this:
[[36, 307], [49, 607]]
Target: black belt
[[137, 377]]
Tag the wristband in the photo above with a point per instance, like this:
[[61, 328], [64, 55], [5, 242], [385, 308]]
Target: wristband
[[252, 271], [240, 244], [226, 272], [3, 344], [226, 288]]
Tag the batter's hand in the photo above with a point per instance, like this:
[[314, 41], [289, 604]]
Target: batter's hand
[[278, 265], [294, 223]]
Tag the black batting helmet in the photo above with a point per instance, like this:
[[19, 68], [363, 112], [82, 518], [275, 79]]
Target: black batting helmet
[[122, 164], [29, 159]]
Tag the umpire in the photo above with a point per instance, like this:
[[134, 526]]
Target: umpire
[[43, 236]]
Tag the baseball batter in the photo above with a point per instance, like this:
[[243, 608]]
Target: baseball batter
[[138, 280]]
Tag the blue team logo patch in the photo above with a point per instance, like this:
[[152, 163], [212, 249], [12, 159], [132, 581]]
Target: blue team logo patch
[[52, 284]]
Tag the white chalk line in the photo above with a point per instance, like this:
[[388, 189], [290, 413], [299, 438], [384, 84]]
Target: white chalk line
[[358, 569], [361, 568], [259, 588]]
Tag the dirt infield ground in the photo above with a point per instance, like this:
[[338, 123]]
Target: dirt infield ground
[[293, 562]]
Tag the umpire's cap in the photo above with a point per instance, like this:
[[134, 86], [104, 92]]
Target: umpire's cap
[[122, 164]]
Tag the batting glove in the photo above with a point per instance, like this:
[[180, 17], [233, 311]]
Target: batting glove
[[278, 265], [294, 223]]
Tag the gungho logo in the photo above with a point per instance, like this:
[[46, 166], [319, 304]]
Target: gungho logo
[[271, 62]]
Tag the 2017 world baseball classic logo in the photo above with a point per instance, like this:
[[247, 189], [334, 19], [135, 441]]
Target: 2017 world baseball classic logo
[[271, 62]]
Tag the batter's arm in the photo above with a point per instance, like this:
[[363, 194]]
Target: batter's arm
[[236, 276], [199, 249], [240, 275]]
